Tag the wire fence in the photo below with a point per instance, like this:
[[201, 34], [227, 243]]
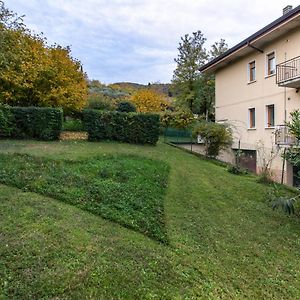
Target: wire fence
[[179, 136]]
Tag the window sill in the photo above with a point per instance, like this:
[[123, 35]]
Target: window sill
[[271, 127], [254, 128], [250, 82], [271, 75]]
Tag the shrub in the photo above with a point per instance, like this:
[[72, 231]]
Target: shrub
[[135, 128], [6, 121], [126, 106], [32, 122], [73, 125], [101, 102], [215, 136]]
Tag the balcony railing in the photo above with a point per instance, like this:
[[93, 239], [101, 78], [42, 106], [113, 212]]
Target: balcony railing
[[288, 73], [283, 136]]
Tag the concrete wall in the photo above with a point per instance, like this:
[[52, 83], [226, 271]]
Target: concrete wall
[[234, 96]]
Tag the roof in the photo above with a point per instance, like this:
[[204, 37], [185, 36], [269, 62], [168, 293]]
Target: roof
[[255, 40]]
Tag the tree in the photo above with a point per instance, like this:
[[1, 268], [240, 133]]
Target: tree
[[147, 100], [192, 55], [205, 85], [217, 49], [34, 74]]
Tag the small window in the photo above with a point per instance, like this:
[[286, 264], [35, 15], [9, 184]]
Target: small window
[[252, 71], [270, 111], [251, 117], [271, 64]]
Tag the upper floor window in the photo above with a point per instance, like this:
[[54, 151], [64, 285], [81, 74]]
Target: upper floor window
[[251, 71], [251, 113], [271, 64], [270, 116]]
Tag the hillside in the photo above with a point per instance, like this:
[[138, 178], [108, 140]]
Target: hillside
[[224, 239]]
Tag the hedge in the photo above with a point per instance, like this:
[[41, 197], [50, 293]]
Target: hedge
[[134, 128], [30, 122]]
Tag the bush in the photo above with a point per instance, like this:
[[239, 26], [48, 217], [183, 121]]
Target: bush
[[236, 170], [126, 106], [100, 102], [73, 125], [135, 128], [6, 121], [31, 122], [216, 137]]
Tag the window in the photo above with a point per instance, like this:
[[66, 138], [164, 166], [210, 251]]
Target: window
[[251, 117], [271, 64], [252, 71], [270, 114]]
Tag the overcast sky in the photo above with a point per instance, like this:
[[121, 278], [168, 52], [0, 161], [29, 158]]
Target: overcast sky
[[137, 40]]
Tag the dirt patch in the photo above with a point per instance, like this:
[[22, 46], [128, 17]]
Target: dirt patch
[[73, 135]]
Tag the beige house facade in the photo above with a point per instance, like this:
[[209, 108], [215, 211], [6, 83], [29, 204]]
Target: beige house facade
[[257, 86]]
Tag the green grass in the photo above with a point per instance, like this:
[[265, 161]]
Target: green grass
[[127, 189], [225, 241]]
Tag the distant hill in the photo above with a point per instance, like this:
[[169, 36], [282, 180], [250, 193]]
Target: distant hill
[[163, 88]]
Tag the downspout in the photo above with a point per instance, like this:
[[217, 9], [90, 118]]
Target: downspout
[[285, 119]]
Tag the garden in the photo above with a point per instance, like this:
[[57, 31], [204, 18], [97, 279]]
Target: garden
[[95, 205], [180, 226]]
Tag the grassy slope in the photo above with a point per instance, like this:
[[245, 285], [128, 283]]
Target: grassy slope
[[127, 189], [224, 239]]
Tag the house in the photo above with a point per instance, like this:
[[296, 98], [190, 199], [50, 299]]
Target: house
[[257, 86]]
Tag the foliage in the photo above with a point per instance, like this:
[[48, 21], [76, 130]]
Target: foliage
[[73, 125], [192, 55], [126, 106], [178, 119], [236, 170], [31, 122], [217, 49], [34, 74], [294, 124], [6, 121], [216, 136], [285, 202], [205, 96], [134, 128], [292, 154], [194, 90], [107, 186], [100, 101], [147, 100]]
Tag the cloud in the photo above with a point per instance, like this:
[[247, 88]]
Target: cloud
[[137, 40]]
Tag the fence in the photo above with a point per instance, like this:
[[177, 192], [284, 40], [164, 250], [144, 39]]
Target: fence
[[179, 136]]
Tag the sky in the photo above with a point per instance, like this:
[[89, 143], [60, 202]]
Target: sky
[[137, 40]]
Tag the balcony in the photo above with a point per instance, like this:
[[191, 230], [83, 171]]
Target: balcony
[[283, 137], [288, 73]]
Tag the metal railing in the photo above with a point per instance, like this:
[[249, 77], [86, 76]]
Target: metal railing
[[288, 70], [283, 136]]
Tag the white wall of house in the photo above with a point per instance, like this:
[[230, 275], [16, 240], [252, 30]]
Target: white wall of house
[[235, 96]]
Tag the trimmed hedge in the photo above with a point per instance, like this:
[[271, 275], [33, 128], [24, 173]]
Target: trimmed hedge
[[126, 106], [134, 128], [30, 122]]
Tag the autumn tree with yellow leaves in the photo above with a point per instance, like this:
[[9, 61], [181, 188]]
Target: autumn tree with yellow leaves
[[35, 74], [147, 100]]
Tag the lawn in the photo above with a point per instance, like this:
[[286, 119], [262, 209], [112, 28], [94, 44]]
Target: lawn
[[223, 239]]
